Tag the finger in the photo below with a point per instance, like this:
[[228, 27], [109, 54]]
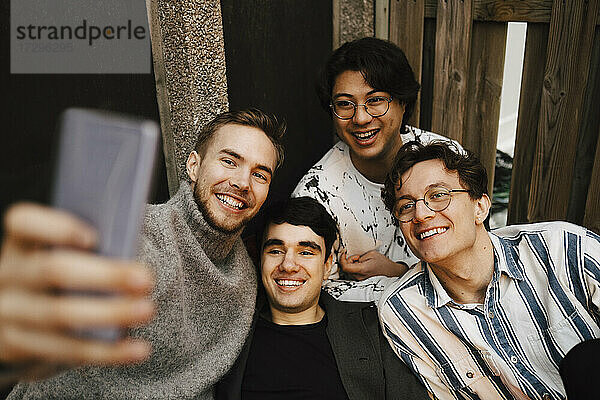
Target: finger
[[358, 276], [23, 344], [343, 255], [70, 269], [365, 257], [354, 258], [73, 312], [353, 268], [34, 223], [342, 260], [350, 258], [371, 254]]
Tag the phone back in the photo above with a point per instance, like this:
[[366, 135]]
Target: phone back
[[104, 172]]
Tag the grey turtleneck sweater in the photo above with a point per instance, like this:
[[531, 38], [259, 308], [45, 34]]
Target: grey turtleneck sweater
[[205, 296]]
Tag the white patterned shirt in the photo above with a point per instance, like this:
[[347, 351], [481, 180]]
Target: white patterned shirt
[[356, 204], [542, 300]]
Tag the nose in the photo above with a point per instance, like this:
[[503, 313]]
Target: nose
[[422, 212], [288, 264], [240, 180], [361, 116]]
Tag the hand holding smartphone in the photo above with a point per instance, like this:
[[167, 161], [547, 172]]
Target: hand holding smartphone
[[104, 171]]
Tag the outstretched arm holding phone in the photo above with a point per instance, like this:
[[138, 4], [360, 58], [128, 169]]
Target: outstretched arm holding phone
[[203, 282], [44, 252]]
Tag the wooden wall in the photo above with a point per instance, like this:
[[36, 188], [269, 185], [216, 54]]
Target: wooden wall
[[457, 47]]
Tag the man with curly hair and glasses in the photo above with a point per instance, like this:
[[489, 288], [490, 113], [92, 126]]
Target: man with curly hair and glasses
[[486, 315]]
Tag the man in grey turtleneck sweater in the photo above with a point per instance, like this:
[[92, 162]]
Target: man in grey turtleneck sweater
[[202, 281]]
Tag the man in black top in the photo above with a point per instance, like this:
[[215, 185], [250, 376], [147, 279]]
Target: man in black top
[[305, 344]]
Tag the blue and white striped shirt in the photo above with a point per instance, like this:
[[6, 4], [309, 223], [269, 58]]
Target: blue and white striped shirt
[[542, 300]]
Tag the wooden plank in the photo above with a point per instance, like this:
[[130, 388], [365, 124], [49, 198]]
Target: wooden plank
[[406, 31], [592, 208], [382, 19], [588, 136], [162, 95], [506, 10], [591, 219], [428, 59], [430, 8], [484, 90], [527, 124], [336, 24], [567, 65], [452, 48], [513, 10]]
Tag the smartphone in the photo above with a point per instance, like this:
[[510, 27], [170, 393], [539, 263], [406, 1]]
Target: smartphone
[[103, 175]]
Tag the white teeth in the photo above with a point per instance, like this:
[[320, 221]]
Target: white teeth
[[287, 282], [431, 232], [365, 135], [230, 201]]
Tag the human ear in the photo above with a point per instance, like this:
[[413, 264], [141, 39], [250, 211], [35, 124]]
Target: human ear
[[191, 165], [482, 208], [328, 264]]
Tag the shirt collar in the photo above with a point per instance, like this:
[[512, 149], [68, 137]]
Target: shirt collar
[[435, 294], [506, 256], [505, 261]]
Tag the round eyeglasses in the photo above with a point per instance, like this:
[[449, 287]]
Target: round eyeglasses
[[436, 199], [374, 106]]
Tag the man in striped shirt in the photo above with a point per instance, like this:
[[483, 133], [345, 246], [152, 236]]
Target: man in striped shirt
[[483, 315]]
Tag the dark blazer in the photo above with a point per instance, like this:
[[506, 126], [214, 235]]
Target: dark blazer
[[368, 367]]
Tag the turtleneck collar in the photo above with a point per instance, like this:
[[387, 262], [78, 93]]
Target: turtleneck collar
[[216, 244]]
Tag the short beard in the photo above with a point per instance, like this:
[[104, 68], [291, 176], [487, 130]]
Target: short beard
[[209, 218]]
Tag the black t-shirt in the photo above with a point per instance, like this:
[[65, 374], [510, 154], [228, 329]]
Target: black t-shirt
[[291, 362]]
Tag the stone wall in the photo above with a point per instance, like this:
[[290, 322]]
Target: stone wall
[[189, 67], [356, 19]]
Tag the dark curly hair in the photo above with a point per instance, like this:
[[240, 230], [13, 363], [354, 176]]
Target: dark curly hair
[[471, 173]]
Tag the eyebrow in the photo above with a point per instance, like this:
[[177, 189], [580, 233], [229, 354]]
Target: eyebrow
[[232, 153], [437, 184], [272, 242], [350, 95], [310, 244], [303, 243], [237, 156]]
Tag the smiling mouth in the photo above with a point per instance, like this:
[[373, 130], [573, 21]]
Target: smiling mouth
[[364, 136], [431, 232], [230, 202], [289, 283]]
